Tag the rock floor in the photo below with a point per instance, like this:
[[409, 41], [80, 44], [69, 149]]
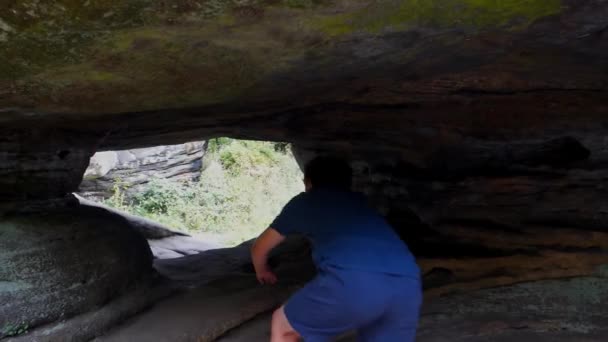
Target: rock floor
[[210, 314], [217, 298], [225, 304]]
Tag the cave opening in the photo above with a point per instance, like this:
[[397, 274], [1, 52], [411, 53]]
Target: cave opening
[[222, 191]]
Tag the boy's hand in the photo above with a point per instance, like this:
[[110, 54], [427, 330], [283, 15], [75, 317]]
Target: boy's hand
[[269, 239], [266, 277]]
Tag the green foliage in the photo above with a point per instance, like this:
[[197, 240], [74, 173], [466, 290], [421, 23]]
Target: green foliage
[[14, 329], [118, 200], [214, 145], [247, 156], [243, 186], [159, 197]]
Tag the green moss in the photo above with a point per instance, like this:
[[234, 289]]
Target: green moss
[[24, 15], [172, 67], [123, 41], [14, 329], [33, 51], [81, 73], [214, 8], [479, 14], [226, 19], [48, 34], [299, 3]]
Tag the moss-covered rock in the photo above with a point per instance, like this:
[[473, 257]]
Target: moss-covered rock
[[119, 56], [461, 14]]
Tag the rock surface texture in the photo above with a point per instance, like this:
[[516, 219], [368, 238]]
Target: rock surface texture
[[65, 262], [503, 214], [478, 127], [132, 170]]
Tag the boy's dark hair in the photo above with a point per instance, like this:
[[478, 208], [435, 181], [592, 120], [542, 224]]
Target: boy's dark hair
[[329, 172]]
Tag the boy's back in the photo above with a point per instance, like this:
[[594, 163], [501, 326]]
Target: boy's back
[[346, 233]]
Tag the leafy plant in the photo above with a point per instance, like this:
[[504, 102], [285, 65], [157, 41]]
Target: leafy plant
[[118, 199], [216, 144], [159, 196]]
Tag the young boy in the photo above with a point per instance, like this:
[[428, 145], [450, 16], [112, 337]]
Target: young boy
[[367, 278]]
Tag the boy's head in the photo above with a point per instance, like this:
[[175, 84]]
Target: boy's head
[[328, 172]]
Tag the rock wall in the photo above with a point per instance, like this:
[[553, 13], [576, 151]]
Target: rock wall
[[40, 163], [494, 214], [134, 169]]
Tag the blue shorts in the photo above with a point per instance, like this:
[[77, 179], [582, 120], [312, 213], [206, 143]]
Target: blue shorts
[[380, 307]]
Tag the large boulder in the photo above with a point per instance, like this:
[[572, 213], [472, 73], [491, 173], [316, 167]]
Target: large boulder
[[65, 261]]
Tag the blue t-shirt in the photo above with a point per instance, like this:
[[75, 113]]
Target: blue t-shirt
[[346, 232]]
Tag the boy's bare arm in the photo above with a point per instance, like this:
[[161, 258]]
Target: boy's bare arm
[[262, 246]]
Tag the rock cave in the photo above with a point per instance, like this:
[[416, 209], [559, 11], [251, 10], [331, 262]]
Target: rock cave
[[479, 128]]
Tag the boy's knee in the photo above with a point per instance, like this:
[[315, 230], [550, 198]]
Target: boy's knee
[[279, 321], [281, 329]]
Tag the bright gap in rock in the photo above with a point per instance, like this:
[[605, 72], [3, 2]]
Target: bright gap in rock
[[221, 192]]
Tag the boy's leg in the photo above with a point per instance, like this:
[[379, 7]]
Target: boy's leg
[[387, 329], [319, 311], [400, 320], [281, 330]]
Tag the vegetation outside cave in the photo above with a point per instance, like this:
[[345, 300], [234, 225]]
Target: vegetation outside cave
[[242, 187]]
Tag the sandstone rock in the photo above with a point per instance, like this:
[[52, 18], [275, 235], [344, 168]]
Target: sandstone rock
[[101, 163], [565, 311], [63, 262], [132, 170], [223, 294], [89, 325], [40, 164], [179, 246], [203, 314], [147, 228], [493, 51], [485, 215], [292, 258]]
